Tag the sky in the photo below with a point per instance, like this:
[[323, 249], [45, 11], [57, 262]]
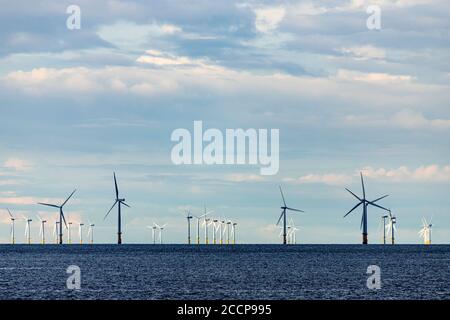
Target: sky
[[78, 104]]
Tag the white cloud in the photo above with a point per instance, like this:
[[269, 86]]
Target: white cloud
[[244, 178], [129, 35], [373, 77], [328, 179], [364, 52], [406, 119], [268, 18], [433, 173], [17, 164], [430, 173]]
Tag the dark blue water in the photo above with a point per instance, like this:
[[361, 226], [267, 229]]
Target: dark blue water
[[224, 272]]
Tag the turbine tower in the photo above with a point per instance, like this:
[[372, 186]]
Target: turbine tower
[[425, 232], [383, 218], [284, 217], [42, 229], [13, 236], [188, 218], [119, 202], [363, 201], [228, 231], [27, 229], [215, 223], [55, 231], [69, 233], [61, 215], [90, 233], [80, 231], [391, 226], [234, 232]]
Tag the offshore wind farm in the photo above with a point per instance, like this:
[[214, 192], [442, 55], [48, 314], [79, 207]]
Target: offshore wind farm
[[216, 229]]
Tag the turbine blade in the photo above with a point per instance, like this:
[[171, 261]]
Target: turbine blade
[[282, 196], [68, 198], [10, 214], [63, 217], [115, 185], [48, 205], [281, 216], [115, 202], [354, 194], [362, 222], [353, 209], [292, 209], [380, 198], [374, 204], [125, 204], [362, 183]]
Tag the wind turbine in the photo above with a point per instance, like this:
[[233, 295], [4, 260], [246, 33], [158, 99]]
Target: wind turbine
[[91, 232], [13, 238], [228, 231], [234, 232], [365, 204], [161, 228], [42, 229], [189, 218], [215, 229], [27, 229], [293, 231], [206, 223], [55, 231], [69, 233], [198, 223], [283, 216], [119, 202], [80, 231], [391, 226], [425, 232], [222, 228], [61, 215], [383, 218]]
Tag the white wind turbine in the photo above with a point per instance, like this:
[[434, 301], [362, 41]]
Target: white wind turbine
[[153, 228], [69, 232], [13, 237], [55, 231], [161, 228], [206, 222], [42, 229], [27, 229], [229, 223], [80, 232], [198, 223], [222, 228], [425, 232], [234, 232], [215, 223], [90, 233], [391, 226]]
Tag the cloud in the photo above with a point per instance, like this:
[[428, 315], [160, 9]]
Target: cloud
[[129, 35], [17, 164], [364, 52], [268, 18], [372, 77], [430, 173], [406, 119], [244, 178], [328, 179]]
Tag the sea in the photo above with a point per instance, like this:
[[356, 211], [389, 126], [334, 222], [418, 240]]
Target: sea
[[179, 272]]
